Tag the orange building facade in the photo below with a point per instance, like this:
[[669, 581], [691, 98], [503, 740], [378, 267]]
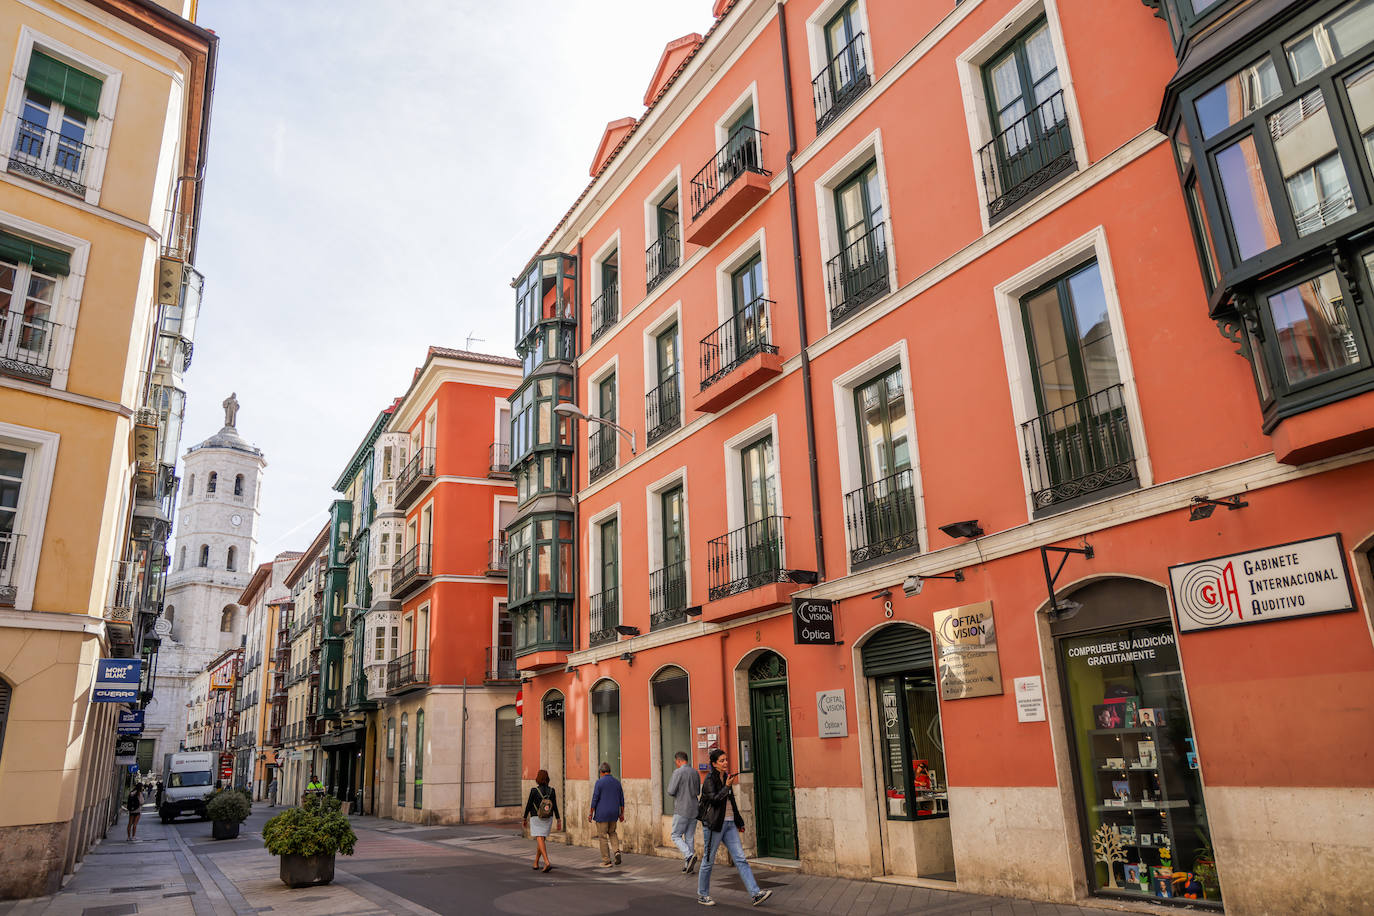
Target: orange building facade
[[447, 749], [948, 512]]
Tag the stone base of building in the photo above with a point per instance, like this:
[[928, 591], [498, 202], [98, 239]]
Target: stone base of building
[[32, 858]]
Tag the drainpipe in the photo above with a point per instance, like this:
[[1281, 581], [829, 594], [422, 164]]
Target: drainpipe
[[463, 757], [577, 314], [808, 406]]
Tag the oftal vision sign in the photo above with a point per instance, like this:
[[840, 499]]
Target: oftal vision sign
[[813, 622], [969, 666], [1298, 579]]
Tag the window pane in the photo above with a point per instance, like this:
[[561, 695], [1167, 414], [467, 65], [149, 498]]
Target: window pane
[[1051, 349], [1094, 328], [1312, 327], [1312, 171], [1335, 37], [1359, 88], [1240, 95], [1204, 227], [1247, 198]]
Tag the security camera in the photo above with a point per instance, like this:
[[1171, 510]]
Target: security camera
[[912, 585]]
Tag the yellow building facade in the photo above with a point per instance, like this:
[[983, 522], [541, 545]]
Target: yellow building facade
[[102, 155]]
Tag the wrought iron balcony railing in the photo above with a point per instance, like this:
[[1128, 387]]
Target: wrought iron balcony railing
[[27, 346], [11, 550], [745, 334], [412, 567], [605, 616], [124, 592], [50, 156], [881, 518], [606, 309], [500, 459], [662, 258], [858, 274], [1026, 156], [746, 558], [742, 152], [501, 665], [1079, 449], [842, 81], [601, 452], [668, 596], [662, 410], [418, 473], [407, 671], [498, 555]]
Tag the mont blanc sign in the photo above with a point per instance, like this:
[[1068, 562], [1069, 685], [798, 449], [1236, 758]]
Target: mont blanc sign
[[1298, 579]]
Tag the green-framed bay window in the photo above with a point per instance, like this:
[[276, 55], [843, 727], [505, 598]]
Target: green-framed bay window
[[541, 441], [540, 581], [545, 292]]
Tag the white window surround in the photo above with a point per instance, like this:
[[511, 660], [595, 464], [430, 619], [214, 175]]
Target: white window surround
[[847, 429], [970, 66], [612, 245], [670, 316], [110, 79], [756, 244], [496, 513], [41, 447], [594, 380], [749, 99], [869, 148], [501, 431], [67, 306], [673, 180], [815, 34], [611, 513], [654, 504], [1091, 246], [497, 604], [734, 474]]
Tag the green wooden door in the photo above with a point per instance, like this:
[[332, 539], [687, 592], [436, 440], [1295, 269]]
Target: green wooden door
[[775, 817]]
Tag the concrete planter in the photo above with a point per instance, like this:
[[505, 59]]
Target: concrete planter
[[224, 830], [307, 871]]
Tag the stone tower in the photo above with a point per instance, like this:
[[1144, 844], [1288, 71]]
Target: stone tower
[[212, 561]]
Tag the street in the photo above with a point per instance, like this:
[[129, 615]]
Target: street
[[178, 870]]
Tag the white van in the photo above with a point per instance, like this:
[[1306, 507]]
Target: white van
[[188, 782]]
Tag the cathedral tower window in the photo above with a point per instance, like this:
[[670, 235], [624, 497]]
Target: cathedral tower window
[[238, 485], [214, 480], [204, 554], [230, 559]]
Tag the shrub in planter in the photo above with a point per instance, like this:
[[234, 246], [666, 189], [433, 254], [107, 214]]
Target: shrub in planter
[[227, 810], [307, 839]]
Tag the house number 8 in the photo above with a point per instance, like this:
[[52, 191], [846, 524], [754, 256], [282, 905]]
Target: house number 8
[[887, 609]]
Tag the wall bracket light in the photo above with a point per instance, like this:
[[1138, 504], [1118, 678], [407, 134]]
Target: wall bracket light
[[1202, 507], [1061, 609], [914, 584], [968, 529], [625, 629]]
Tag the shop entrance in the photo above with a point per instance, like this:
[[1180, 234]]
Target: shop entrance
[[551, 742], [899, 662], [774, 813], [1141, 809]]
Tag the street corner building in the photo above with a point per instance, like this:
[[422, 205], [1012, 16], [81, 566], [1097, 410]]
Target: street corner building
[[102, 165], [963, 416]]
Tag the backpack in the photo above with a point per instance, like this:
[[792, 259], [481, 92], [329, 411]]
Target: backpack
[[545, 807], [134, 802]]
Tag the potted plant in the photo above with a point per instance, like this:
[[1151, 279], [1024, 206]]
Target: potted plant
[[307, 838], [226, 811]]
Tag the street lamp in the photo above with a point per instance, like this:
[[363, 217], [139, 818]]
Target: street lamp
[[571, 410]]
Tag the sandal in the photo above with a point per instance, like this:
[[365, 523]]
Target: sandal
[[548, 868]]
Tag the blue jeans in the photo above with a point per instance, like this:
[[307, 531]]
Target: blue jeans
[[729, 835], [684, 834]]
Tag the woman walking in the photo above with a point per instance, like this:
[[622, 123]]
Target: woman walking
[[716, 794], [541, 810], [134, 805]]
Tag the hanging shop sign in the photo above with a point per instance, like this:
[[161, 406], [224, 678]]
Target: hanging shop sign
[[830, 714], [1299, 579], [813, 622], [130, 722], [1030, 699], [553, 709], [125, 747], [222, 678], [116, 680], [968, 652]]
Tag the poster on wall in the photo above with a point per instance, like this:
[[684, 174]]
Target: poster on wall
[[1298, 579], [831, 717], [968, 652]]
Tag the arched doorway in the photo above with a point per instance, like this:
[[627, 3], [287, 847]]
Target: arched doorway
[[775, 816], [605, 697], [551, 747], [672, 727]]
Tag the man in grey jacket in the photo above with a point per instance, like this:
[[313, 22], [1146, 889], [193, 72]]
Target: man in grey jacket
[[685, 787]]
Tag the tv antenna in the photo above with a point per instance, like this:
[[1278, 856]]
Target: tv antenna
[[471, 338]]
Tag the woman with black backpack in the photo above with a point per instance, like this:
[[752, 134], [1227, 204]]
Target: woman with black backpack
[[134, 805], [541, 810]]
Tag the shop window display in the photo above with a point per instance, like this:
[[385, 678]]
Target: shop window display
[[1137, 763], [913, 750]]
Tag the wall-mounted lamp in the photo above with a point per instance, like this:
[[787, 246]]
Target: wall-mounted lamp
[[968, 529], [628, 658], [913, 585], [1202, 507], [882, 594], [693, 611], [1062, 608], [625, 629], [572, 410]]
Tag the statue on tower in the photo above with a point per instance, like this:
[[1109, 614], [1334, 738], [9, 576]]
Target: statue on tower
[[231, 409]]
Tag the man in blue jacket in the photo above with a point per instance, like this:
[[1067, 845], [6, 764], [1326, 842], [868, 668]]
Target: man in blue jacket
[[608, 809]]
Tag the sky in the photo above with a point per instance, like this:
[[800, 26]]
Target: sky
[[378, 172]]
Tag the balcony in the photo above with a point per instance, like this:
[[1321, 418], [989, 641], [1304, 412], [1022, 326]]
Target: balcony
[[606, 309], [605, 617], [662, 410], [411, 572], [11, 551], [1027, 156], [543, 633], [407, 672], [881, 519], [498, 559], [501, 667], [842, 81], [745, 572], [119, 610], [500, 460], [601, 452], [737, 358], [728, 186], [50, 157], [358, 695], [415, 477], [858, 274], [27, 347], [1080, 452], [668, 596], [662, 258]]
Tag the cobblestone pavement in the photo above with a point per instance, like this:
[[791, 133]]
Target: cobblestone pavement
[[178, 870]]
